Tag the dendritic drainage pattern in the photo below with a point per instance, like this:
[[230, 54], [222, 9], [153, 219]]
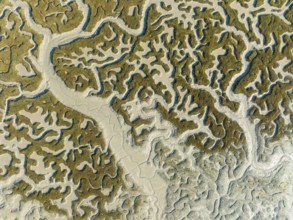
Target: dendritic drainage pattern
[[149, 109]]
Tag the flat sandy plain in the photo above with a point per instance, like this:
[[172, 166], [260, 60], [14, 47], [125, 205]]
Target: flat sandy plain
[[126, 109]]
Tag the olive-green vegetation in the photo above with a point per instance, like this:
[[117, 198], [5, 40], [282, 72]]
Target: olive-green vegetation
[[273, 89], [168, 59], [53, 15], [88, 146], [15, 46], [127, 80], [130, 11]]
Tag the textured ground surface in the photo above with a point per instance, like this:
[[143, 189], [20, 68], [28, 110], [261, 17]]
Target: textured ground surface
[[149, 109]]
